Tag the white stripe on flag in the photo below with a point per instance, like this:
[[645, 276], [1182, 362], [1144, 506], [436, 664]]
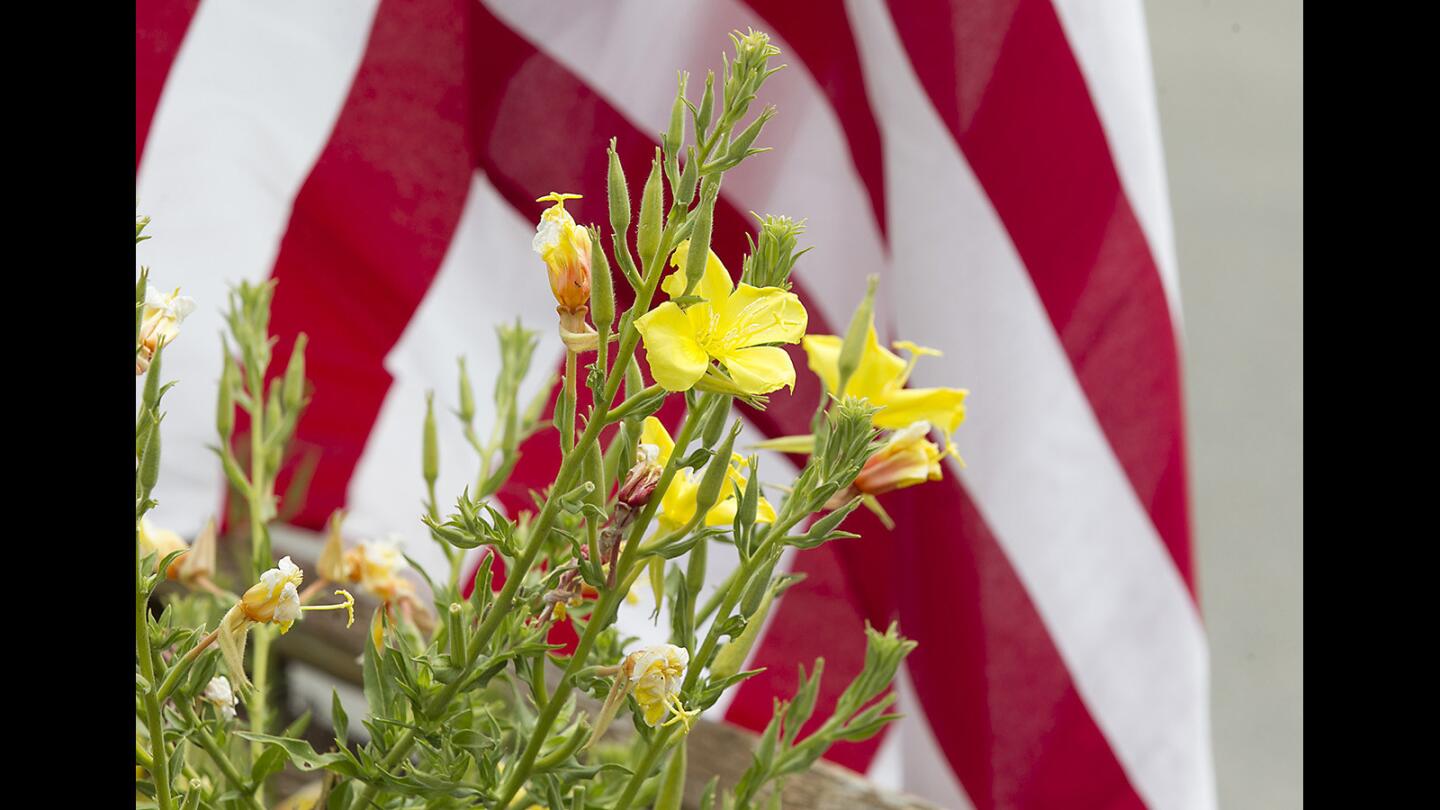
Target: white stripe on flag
[[1110, 43], [1040, 469], [489, 276], [246, 109]]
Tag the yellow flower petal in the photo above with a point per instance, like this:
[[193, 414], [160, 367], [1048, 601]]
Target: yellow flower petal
[[677, 505], [714, 285], [759, 369], [941, 407], [880, 371], [752, 316], [676, 359], [653, 431]]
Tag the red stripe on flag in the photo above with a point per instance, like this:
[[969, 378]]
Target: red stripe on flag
[[369, 230], [160, 27], [821, 37], [1002, 77]]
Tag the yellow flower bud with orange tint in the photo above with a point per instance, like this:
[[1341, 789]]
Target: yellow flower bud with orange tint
[[565, 249], [907, 459]]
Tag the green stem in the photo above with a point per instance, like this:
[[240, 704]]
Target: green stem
[[564, 479], [172, 679], [217, 755], [567, 417], [652, 753], [161, 772], [599, 619]]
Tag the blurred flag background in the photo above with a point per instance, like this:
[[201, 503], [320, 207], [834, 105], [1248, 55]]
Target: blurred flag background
[[997, 162]]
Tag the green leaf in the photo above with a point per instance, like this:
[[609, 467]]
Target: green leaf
[[302, 756]]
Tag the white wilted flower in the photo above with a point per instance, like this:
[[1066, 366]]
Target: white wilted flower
[[160, 322], [219, 694]]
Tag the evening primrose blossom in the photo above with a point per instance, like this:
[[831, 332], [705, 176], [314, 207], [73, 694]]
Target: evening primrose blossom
[[880, 378], [160, 322], [906, 459], [678, 503], [734, 326], [654, 675], [275, 599], [564, 246]]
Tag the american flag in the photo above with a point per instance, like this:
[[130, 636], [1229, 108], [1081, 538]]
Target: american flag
[[997, 162]]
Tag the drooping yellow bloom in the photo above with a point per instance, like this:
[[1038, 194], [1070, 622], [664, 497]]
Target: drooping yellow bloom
[[160, 322], [732, 325], [654, 676], [275, 599], [565, 249], [881, 378], [907, 459], [678, 504]]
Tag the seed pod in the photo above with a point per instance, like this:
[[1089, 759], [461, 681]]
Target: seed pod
[[652, 203], [295, 375], [619, 194], [602, 286], [430, 452]]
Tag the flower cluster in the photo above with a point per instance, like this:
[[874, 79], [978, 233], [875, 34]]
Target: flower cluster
[[464, 707]]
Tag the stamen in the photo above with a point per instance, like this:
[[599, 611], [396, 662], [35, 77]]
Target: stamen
[[348, 606]]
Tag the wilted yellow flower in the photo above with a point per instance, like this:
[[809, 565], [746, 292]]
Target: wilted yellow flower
[[160, 322], [881, 378], [678, 504], [654, 676], [732, 325], [275, 599], [161, 543], [907, 459], [565, 249], [640, 481]]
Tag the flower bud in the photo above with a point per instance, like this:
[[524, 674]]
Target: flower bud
[[467, 395], [652, 203], [294, 391], [618, 193], [602, 287], [640, 482], [430, 443], [907, 459], [565, 249]]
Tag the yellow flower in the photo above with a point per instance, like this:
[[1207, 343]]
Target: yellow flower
[[881, 378], [160, 322], [907, 459], [162, 542], [678, 504], [732, 325], [655, 674], [275, 599], [565, 249]]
